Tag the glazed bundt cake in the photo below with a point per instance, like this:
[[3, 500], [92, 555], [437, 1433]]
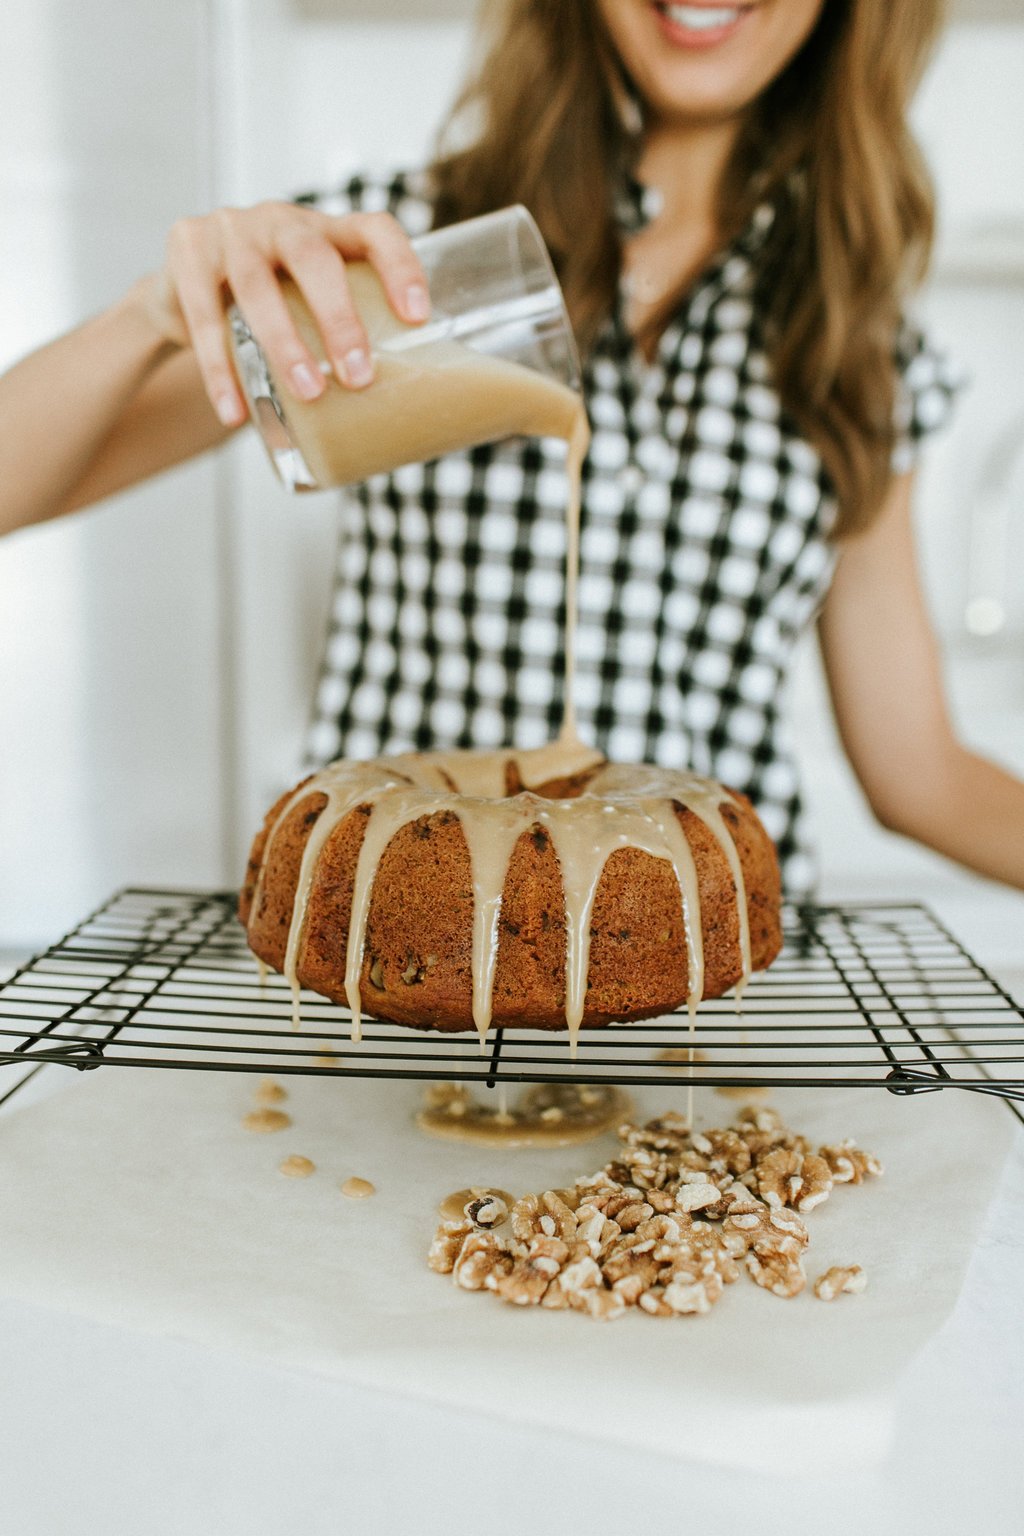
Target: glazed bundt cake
[[543, 889]]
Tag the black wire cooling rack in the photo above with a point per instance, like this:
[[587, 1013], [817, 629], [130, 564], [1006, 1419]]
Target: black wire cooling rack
[[862, 995]]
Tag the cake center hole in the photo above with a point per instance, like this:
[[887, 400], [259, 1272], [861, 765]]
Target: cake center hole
[[567, 788]]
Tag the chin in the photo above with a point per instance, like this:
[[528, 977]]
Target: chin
[[711, 96], [705, 60]]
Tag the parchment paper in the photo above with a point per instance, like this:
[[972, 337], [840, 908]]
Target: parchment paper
[[136, 1197]]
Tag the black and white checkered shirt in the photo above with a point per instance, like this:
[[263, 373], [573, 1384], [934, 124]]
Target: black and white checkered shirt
[[704, 553]]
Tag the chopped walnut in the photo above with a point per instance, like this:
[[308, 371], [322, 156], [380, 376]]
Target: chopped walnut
[[630, 1288], [525, 1216], [544, 1215], [643, 1169], [581, 1275], [488, 1211], [732, 1197], [849, 1163], [558, 1215], [590, 1225], [780, 1231], [547, 1254], [629, 1263], [602, 1181], [612, 1201], [631, 1215], [751, 1118], [662, 1201], [726, 1150], [841, 1277], [521, 1285], [708, 1243], [448, 1241], [779, 1177], [483, 1259], [606, 1306], [528, 1277], [695, 1197], [664, 1229], [762, 1130], [653, 1302], [555, 1299], [692, 1289], [789, 1177], [778, 1272], [596, 1233], [601, 1199], [663, 1226]]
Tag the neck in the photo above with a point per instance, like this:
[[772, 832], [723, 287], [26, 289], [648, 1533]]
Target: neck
[[687, 162]]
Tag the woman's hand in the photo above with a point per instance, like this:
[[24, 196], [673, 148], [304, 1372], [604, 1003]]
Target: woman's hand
[[129, 386], [240, 252]]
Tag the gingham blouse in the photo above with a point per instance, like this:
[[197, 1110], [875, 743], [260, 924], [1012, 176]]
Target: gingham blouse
[[705, 551]]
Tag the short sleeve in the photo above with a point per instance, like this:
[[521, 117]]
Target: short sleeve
[[927, 386], [404, 194]]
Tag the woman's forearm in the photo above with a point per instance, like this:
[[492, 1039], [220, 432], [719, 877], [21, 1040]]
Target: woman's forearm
[[60, 405], [971, 811]]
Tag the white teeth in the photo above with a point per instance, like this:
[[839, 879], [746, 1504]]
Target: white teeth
[[702, 18]]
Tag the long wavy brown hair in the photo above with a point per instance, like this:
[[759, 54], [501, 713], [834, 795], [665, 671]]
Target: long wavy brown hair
[[541, 122]]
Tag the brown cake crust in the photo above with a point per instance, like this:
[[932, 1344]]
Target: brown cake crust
[[417, 965]]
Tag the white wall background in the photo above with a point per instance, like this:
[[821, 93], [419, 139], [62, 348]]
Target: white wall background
[[157, 655], [109, 623]]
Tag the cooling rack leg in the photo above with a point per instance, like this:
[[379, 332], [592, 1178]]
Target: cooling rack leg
[[492, 1066]]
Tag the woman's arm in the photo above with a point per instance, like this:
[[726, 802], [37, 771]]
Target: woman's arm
[[149, 382], [884, 673], [111, 402]]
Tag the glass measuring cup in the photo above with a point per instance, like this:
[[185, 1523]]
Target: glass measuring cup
[[497, 358]]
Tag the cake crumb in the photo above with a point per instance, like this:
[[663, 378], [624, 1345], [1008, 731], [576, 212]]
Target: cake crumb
[[262, 1120], [269, 1092], [358, 1189], [297, 1167]]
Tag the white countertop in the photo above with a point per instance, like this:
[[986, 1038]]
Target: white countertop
[[102, 1428]]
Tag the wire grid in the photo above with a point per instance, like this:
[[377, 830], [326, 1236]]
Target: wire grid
[[863, 995]]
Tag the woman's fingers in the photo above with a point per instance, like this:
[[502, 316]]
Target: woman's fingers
[[319, 271], [197, 286], [381, 240], [246, 249], [258, 293]]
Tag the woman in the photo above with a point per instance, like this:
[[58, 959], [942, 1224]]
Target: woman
[[737, 212]]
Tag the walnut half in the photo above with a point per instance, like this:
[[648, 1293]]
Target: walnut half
[[849, 1163], [789, 1177]]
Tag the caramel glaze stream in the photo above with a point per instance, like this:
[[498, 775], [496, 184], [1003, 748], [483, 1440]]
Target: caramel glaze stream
[[621, 807]]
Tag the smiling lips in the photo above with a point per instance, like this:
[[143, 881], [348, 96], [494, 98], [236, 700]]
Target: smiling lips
[[699, 25]]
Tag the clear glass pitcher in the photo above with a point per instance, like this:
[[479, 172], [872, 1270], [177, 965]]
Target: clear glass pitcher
[[497, 358]]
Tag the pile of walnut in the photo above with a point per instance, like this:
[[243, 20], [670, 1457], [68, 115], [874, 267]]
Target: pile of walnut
[[664, 1227]]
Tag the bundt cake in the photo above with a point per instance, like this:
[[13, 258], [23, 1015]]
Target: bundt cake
[[543, 889]]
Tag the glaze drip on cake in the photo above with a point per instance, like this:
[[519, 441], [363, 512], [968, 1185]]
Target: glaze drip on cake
[[617, 807]]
